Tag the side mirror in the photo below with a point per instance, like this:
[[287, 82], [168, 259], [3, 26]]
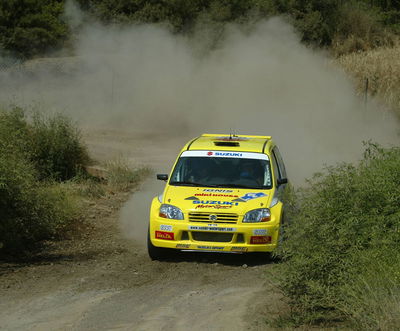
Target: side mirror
[[282, 181], [162, 177]]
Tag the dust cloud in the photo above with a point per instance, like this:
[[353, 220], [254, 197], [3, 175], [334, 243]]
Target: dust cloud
[[134, 217], [257, 80], [262, 81]]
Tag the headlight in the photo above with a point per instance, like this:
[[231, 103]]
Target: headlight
[[257, 215], [172, 212]]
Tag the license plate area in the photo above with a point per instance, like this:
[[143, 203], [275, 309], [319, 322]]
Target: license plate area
[[212, 236]]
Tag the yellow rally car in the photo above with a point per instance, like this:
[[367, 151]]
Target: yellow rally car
[[222, 196]]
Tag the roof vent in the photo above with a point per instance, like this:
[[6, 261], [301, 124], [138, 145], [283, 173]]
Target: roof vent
[[227, 143]]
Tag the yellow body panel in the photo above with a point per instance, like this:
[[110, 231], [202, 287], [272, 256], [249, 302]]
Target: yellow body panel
[[228, 233], [251, 144]]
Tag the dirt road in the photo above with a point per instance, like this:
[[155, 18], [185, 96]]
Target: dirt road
[[105, 281]]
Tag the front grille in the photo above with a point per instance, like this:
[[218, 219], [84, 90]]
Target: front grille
[[212, 236], [209, 217]]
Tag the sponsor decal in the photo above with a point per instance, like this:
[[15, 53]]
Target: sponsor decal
[[229, 154], [260, 240], [212, 202], [183, 246], [213, 195], [238, 249], [164, 227], [210, 228], [244, 155], [211, 247], [224, 154], [212, 206], [192, 198], [217, 190], [164, 235], [260, 232], [250, 196]]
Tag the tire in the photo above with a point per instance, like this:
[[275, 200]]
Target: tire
[[263, 257], [267, 256], [156, 253]]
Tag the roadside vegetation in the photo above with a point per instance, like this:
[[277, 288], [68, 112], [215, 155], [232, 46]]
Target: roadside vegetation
[[37, 27], [44, 186], [362, 34], [382, 69], [341, 257]]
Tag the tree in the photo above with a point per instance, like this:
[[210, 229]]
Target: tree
[[31, 27]]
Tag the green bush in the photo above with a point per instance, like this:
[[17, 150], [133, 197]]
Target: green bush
[[31, 27], [346, 220], [53, 144], [14, 137], [372, 300], [359, 29], [57, 149], [32, 210], [42, 175]]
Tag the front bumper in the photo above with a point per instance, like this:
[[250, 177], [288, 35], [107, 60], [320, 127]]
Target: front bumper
[[222, 237]]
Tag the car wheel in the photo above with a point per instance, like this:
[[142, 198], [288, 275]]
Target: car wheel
[[263, 257]]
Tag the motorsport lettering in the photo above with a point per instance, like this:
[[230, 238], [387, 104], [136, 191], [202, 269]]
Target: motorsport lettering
[[210, 228], [228, 154], [208, 202], [231, 154]]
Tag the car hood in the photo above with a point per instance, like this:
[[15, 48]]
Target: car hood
[[206, 199]]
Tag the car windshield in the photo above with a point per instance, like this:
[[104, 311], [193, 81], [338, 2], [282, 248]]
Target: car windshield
[[222, 172]]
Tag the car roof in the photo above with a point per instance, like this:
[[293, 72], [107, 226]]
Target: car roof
[[230, 142]]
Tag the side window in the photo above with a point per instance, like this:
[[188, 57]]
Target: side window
[[181, 170], [279, 160], [267, 176], [275, 168]]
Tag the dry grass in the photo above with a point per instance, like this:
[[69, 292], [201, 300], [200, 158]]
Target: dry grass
[[382, 68], [122, 176], [373, 298]]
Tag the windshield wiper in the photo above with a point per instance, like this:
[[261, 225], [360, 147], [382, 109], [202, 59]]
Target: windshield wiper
[[187, 183]]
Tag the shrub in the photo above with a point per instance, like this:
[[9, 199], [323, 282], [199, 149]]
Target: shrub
[[359, 29], [14, 138], [53, 144], [348, 218], [57, 150], [372, 300], [31, 28], [30, 210], [36, 157]]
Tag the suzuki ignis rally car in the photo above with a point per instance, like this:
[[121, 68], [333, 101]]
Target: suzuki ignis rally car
[[222, 196]]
